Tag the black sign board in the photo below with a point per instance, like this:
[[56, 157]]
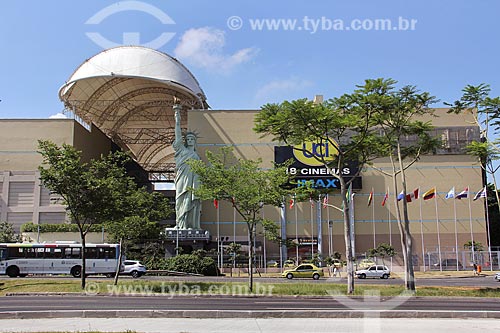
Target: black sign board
[[320, 176]]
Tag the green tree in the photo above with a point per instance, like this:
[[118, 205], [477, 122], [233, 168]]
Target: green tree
[[382, 250], [485, 111], [397, 118], [7, 234], [345, 123], [143, 211], [233, 250], [474, 246], [94, 192], [245, 185], [273, 234]]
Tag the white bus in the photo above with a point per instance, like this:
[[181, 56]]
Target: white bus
[[21, 259]]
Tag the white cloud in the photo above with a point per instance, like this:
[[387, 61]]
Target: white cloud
[[203, 47], [278, 90], [58, 116]]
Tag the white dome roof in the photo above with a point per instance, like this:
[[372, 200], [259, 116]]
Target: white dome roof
[[136, 61]]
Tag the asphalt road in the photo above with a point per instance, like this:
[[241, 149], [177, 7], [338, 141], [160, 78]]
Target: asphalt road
[[110, 303], [486, 281]]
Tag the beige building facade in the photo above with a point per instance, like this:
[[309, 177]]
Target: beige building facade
[[22, 198], [439, 226]]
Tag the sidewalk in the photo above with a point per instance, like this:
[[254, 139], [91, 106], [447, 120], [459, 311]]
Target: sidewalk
[[241, 325]]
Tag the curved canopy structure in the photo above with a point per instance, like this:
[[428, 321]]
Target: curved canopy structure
[[128, 93]]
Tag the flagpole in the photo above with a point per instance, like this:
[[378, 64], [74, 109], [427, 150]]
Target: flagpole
[[389, 219], [455, 218], [422, 230], [296, 232], [438, 234], [488, 227], [265, 253], [312, 228], [471, 227], [234, 224], [330, 245], [218, 237], [373, 223]]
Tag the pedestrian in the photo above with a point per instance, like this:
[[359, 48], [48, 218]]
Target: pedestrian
[[475, 268], [336, 271]]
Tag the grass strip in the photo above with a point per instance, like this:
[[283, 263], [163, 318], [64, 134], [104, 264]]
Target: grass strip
[[170, 288]]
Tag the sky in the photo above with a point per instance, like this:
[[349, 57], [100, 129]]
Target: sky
[[248, 53]]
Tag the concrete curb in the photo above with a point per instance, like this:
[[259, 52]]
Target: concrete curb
[[218, 314]]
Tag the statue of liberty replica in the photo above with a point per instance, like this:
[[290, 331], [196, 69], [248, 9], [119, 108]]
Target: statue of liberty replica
[[187, 206]]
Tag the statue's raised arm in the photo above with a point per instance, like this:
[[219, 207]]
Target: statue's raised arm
[[187, 206], [178, 130]]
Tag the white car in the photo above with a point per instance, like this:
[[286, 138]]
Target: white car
[[375, 271], [497, 277], [134, 268]]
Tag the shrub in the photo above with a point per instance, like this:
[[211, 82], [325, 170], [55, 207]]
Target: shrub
[[187, 263], [63, 227]]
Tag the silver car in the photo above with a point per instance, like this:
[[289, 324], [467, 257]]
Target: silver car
[[375, 271], [497, 277], [134, 268]]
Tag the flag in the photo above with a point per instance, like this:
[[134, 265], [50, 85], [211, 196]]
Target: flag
[[450, 194], [216, 204], [480, 194], [292, 203], [386, 196], [325, 201], [401, 196], [463, 194], [413, 195], [430, 194], [370, 198]]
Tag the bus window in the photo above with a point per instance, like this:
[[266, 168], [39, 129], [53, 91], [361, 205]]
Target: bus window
[[16, 252], [30, 253], [54, 253], [3, 254], [91, 253], [72, 253], [108, 253], [39, 252]]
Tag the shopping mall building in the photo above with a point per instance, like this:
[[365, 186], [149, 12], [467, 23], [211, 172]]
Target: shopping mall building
[[122, 98]]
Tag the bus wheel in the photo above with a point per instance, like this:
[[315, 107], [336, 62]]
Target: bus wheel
[[76, 271], [12, 271]]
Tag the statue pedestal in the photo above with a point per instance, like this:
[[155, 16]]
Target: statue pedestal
[[185, 239]]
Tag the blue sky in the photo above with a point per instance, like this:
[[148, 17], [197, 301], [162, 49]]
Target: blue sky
[[453, 43]]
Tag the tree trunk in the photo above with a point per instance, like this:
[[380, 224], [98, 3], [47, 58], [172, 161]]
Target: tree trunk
[[119, 265], [84, 257], [408, 245], [251, 227], [347, 238], [398, 214]]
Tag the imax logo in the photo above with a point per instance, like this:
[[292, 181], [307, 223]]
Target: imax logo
[[130, 38]]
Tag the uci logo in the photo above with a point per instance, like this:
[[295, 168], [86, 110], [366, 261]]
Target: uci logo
[[313, 154], [130, 38]]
